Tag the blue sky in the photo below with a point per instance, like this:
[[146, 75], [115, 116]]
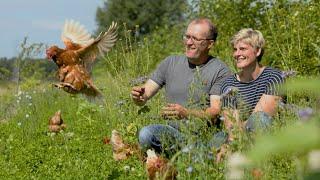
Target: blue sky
[[41, 21]]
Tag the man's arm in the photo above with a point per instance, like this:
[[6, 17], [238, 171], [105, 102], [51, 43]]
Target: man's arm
[[140, 95], [176, 111]]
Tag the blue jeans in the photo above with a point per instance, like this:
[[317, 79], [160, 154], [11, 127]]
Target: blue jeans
[[258, 121], [161, 138], [167, 139]]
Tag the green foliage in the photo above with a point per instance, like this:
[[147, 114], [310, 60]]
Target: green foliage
[[139, 57], [289, 27], [144, 14]]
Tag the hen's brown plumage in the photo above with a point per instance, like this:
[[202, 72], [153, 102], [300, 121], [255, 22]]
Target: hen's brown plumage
[[120, 150], [158, 167], [75, 61], [56, 123]]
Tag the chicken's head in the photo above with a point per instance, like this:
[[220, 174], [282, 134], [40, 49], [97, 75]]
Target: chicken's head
[[52, 52]]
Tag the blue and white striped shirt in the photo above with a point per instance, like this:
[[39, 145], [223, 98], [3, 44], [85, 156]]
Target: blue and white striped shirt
[[247, 94]]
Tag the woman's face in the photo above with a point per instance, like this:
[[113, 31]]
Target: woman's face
[[245, 55]]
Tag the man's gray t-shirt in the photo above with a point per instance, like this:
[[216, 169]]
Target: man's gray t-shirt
[[190, 85]]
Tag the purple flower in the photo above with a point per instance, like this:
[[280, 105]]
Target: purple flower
[[139, 80], [290, 73], [305, 113], [229, 91]]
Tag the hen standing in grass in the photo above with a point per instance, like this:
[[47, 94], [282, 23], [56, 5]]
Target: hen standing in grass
[[75, 61], [56, 123]]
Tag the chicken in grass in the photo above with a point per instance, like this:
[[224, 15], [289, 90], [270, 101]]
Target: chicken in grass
[[120, 150], [158, 167], [76, 59], [56, 123]]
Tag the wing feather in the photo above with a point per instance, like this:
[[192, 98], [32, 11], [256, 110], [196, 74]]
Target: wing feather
[[74, 35], [102, 44]]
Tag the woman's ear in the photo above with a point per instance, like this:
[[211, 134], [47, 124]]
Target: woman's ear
[[258, 52]]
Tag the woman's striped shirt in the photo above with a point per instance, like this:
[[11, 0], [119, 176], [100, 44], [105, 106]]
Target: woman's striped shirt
[[244, 96]]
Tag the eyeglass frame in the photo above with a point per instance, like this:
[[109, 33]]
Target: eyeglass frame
[[186, 37]]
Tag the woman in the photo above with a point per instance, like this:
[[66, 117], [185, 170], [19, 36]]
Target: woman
[[251, 95]]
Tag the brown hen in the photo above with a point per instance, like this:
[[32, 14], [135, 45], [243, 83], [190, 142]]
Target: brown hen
[[159, 167], [56, 123], [76, 59]]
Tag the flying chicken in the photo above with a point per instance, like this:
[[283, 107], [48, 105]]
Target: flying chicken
[[76, 59]]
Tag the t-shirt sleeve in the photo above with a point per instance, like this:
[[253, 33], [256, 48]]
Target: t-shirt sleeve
[[159, 75], [222, 74], [274, 83]]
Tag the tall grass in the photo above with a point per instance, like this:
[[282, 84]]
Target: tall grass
[[29, 151]]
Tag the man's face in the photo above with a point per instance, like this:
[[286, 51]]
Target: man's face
[[196, 41]]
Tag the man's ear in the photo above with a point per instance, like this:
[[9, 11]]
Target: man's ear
[[211, 44]]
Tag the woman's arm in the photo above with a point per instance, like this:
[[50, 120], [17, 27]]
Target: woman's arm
[[267, 104]]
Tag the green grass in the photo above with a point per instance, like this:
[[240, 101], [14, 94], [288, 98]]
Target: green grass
[[29, 151]]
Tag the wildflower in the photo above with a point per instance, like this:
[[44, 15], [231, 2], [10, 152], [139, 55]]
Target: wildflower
[[139, 80], [126, 168], [187, 149], [27, 115], [314, 160], [306, 113], [236, 163], [19, 123], [69, 134], [229, 91], [290, 73], [30, 104], [189, 169], [120, 103]]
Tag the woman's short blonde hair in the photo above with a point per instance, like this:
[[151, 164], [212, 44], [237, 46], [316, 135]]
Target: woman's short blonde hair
[[252, 37]]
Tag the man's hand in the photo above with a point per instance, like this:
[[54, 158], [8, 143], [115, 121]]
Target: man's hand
[[174, 111], [137, 95]]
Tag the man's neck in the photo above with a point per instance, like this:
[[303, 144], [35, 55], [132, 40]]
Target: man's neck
[[199, 61]]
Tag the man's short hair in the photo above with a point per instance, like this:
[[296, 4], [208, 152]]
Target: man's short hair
[[251, 37], [213, 31]]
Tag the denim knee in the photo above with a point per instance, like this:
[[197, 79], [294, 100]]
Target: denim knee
[[258, 121], [145, 137]]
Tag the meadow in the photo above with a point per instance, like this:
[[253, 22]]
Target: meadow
[[28, 150]]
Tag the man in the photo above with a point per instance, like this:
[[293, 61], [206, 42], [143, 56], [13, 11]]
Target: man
[[178, 74]]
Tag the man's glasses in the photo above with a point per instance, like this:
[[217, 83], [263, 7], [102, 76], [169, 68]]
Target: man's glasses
[[193, 39]]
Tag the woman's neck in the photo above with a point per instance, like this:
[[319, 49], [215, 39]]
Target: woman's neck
[[250, 73]]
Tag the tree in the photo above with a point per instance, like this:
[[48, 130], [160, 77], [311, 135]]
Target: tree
[[144, 14]]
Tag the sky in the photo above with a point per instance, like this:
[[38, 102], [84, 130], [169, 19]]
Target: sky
[[41, 21]]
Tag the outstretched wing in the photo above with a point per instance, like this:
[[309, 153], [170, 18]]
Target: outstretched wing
[[75, 36], [102, 44]]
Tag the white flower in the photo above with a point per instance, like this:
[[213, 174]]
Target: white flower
[[236, 163], [19, 123], [126, 168], [189, 169], [314, 160], [27, 115]]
